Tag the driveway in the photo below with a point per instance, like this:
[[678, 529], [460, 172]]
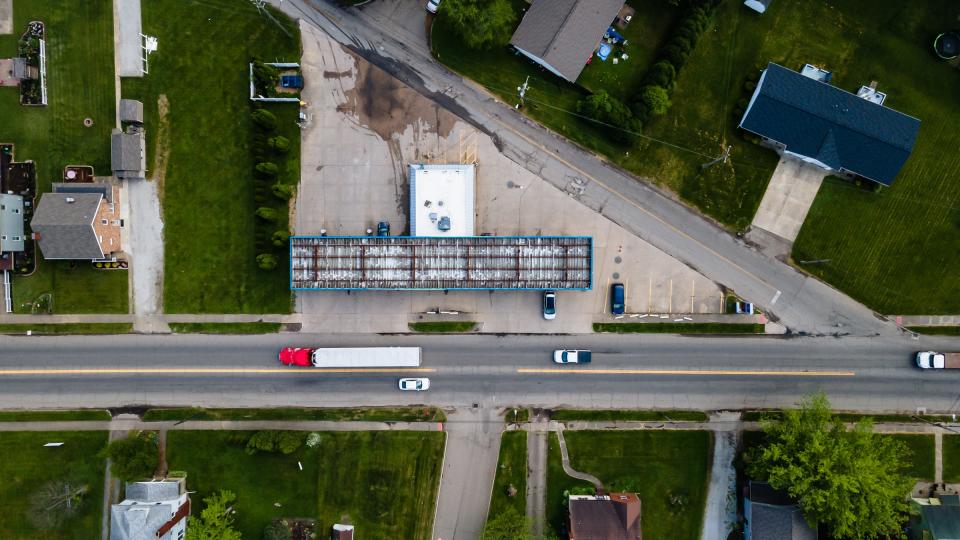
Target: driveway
[[145, 229], [788, 198]]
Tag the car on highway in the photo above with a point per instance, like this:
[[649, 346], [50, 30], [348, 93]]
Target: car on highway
[[617, 296], [414, 384], [295, 356], [433, 5], [571, 356], [549, 305]]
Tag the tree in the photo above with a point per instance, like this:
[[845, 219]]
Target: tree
[[480, 23], [265, 78], [280, 238], [216, 520], [655, 99], [850, 480], [282, 191], [661, 74], [279, 144], [276, 530], [134, 457], [54, 503], [267, 214], [509, 525], [267, 261], [286, 442], [267, 169], [605, 108], [264, 119]]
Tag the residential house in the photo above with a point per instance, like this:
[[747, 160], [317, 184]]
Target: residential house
[[561, 35], [759, 6], [342, 532], [771, 514], [153, 510], [939, 518], [605, 517], [11, 223], [128, 156], [809, 119], [79, 221]]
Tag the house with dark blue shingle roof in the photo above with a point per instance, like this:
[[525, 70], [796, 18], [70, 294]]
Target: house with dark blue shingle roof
[[829, 127]]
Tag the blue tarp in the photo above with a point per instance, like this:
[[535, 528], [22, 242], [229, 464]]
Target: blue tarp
[[605, 50], [612, 33]]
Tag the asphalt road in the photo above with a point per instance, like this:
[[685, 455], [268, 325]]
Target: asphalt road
[[803, 304], [870, 374]]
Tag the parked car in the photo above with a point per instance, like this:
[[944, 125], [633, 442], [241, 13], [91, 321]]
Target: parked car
[[417, 384], [433, 5], [549, 305], [383, 228], [617, 296], [571, 356]]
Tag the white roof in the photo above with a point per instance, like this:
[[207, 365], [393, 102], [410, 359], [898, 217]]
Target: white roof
[[438, 192]]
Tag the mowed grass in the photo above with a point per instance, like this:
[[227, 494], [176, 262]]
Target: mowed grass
[[208, 191], [226, 328], [80, 84], [951, 458], [920, 463], [511, 471], [67, 328], [655, 465], [385, 482], [26, 466], [368, 414], [897, 250]]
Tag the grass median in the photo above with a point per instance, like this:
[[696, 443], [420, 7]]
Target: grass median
[[66, 328], [442, 327], [678, 328], [511, 473], [612, 415], [936, 330], [55, 416], [369, 414], [226, 328]]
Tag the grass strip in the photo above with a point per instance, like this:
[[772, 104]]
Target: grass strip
[[369, 414], [67, 328], [920, 462], [936, 330], [610, 415], [226, 328], [442, 326], [951, 458], [511, 471], [54, 416], [678, 328], [757, 416]]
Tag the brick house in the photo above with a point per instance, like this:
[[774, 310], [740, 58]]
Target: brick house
[[79, 221]]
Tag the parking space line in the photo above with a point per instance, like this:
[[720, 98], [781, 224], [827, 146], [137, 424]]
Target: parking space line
[[690, 372]]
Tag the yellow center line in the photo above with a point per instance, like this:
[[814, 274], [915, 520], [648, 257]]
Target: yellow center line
[[205, 371], [693, 372]]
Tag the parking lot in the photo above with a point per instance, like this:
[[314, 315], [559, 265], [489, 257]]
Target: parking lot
[[364, 128]]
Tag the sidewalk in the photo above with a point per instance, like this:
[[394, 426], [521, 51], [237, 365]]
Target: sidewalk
[[926, 320]]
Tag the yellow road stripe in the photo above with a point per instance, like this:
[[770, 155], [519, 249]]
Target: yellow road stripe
[[205, 371], [694, 372]]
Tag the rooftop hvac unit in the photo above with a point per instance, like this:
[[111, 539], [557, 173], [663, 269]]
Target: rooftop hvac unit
[[444, 224]]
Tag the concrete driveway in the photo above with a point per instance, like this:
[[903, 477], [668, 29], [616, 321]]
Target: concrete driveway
[[788, 198]]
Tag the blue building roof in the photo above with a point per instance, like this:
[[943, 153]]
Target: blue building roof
[[836, 128]]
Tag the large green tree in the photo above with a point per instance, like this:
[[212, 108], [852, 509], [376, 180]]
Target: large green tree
[[134, 457], [509, 525], [480, 23], [848, 479], [216, 520]]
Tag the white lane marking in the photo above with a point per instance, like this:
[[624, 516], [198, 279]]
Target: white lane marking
[[775, 298]]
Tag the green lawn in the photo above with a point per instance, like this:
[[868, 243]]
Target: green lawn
[[678, 328], [655, 465], [511, 471], [26, 466], [369, 414], [80, 85], [383, 482], [920, 464], [67, 328], [936, 330], [208, 190], [602, 415], [442, 326], [225, 328], [557, 484], [951, 458], [54, 416]]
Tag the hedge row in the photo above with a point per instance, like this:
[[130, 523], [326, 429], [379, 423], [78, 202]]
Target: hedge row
[[270, 194]]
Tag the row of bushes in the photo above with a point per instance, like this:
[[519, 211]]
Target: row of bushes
[[271, 194]]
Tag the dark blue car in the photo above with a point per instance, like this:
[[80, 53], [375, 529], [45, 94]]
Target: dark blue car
[[617, 295]]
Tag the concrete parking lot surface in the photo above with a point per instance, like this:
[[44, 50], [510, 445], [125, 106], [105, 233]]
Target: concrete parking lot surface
[[365, 127], [787, 200], [6, 16]]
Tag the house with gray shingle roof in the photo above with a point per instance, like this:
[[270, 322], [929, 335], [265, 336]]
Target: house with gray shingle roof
[[78, 221], [153, 510], [818, 123], [560, 35], [770, 514]]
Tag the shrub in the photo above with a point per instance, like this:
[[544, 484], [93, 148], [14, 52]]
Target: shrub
[[675, 55], [661, 74], [276, 530], [264, 119], [282, 191], [267, 214], [656, 99], [681, 43], [749, 86], [267, 261], [280, 238], [134, 457], [279, 144], [603, 107], [286, 442], [265, 78], [267, 169]]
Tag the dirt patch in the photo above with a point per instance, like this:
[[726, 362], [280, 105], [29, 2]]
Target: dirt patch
[[162, 150], [387, 106], [337, 74]]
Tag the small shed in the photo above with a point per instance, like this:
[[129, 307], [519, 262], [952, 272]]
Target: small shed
[[342, 532], [131, 111], [759, 6]]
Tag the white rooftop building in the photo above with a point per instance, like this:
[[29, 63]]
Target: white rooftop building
[[152, 510], [442, 200]]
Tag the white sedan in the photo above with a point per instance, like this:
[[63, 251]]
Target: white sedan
[[433, 5], [415, 384]]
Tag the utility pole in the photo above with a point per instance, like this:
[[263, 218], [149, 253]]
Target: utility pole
[[724, 157], [261, 7], [523, 91]]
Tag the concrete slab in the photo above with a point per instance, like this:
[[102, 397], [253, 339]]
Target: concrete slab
[[366, 127], [787, 200], [6, 17], [146, 247], [128, 27]]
